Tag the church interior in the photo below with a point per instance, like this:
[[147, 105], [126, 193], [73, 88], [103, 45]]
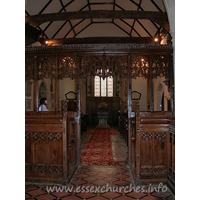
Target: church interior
[[105, 69]]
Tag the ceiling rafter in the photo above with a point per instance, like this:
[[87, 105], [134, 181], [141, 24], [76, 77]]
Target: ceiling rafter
[[89, 7], [114, 3], [41, 11], [83, 29], [122, 29], [143, 27], [139, 6], [67, 20], [157, 18], [66, 6], [156, 5], [58, 12], [134, 19], [74, 27]]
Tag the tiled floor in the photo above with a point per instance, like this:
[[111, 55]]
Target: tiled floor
[[94, 178], [100, 178]]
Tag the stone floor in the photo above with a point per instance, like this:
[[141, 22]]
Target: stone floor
[[98, 183]]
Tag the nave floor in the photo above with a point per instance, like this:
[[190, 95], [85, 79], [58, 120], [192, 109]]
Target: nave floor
[[88, 176], [98, 177], [118, 146]]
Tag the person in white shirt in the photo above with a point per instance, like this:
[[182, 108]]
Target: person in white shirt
[[43, 104]]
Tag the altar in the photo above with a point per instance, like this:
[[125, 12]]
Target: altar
[[102, 116]]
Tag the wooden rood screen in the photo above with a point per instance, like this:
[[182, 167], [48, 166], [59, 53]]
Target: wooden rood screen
[[53, 142]]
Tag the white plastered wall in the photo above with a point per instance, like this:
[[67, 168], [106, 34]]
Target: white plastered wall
[[140, 85], [159, 89]]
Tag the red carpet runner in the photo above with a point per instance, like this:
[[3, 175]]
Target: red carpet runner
[[98, 151]]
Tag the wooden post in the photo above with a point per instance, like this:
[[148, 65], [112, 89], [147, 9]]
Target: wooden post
[[171, 74], [129, 106], [137, 134], [57, 85], [151, 83], [78, 110], [36, 93]]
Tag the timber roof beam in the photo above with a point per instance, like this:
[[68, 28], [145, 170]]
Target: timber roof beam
[[158, 17]]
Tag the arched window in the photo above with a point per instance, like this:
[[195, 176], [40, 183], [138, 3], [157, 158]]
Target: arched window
[[103, 87]]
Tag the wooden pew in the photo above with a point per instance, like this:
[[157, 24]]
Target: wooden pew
[[152, 154], [50, 151]]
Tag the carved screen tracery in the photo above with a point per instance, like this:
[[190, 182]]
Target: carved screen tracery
[[161, 66], [67, 67], [139, 66], [30, 67], [46, 67], [104, 66]]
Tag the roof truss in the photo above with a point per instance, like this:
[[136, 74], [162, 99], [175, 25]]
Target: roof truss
[[157, 18]]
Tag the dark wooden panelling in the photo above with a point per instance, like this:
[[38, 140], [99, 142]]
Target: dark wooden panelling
[[50, 153], [154, 155]]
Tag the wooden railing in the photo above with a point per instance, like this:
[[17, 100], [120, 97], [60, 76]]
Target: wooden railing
[[51, 147], [153, 148]]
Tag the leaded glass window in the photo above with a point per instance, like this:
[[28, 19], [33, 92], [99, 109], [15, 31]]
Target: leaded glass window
[[103, 87]]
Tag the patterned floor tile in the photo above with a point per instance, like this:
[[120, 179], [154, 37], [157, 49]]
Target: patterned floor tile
[[35, 193], [27, 196], [86, 195], [110, 195], [31, 187], [46, 197], [72, 197], [150, 198], [170, 198], [99, 183], [98, 198], [122, 183], [60, 194], [136, 195], [161, 194], [124, 198]]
